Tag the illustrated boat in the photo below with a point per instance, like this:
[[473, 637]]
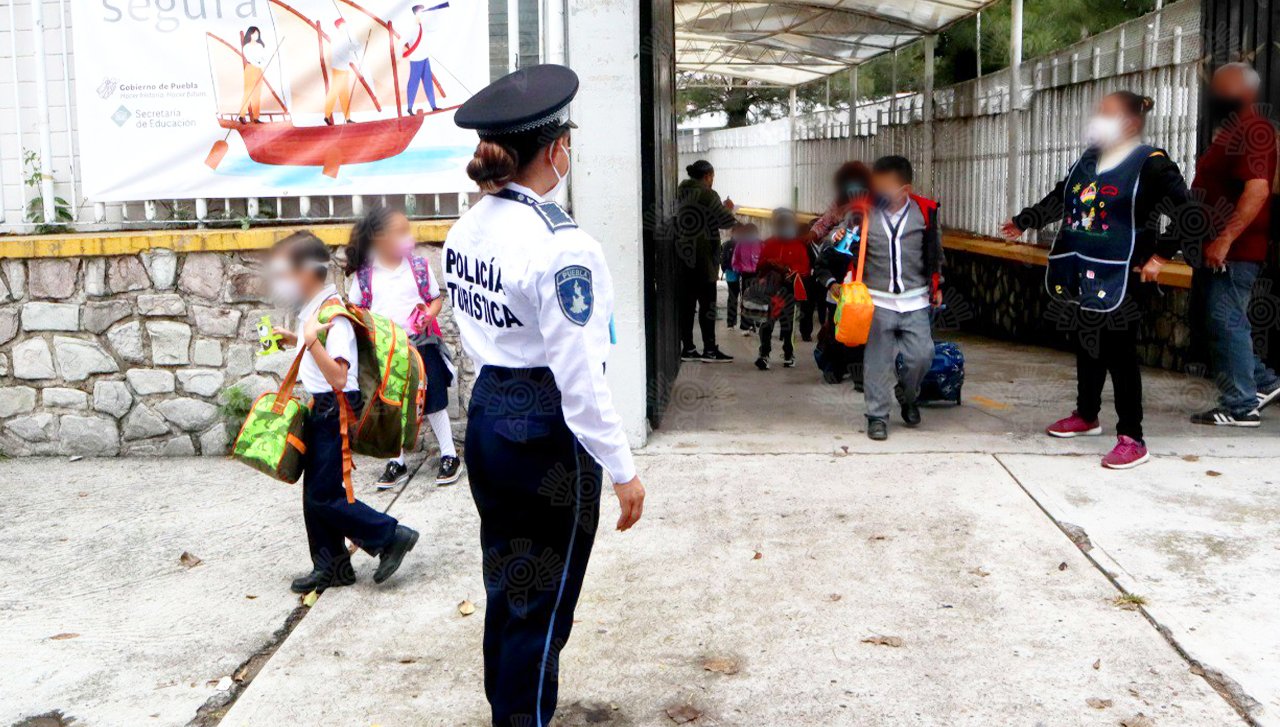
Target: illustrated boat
[[296, 82]]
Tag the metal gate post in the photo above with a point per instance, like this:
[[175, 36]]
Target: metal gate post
[[926, 111], [1014, 117]]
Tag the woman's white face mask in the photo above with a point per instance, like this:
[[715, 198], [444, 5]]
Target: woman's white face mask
[[562, 178], [1104, 131]]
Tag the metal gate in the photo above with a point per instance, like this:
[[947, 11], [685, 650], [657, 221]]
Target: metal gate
[[658, 147]]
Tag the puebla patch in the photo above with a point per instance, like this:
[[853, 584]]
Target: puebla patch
[[573, 289]]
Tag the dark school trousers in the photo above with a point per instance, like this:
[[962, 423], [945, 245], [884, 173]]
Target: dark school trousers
[[538, 495], [786, 325], [1107, 343], [328, 516]]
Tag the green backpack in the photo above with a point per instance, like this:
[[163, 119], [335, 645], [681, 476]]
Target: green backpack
[[392, 381]]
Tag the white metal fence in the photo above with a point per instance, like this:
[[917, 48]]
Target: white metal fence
[[790, 161], [38, 127]]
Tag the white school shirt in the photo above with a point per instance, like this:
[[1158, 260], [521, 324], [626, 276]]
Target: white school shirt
[[418, 45], [525, 296], [908, 300], [256, 54], [395, 291], [340, 342], [346, 52]]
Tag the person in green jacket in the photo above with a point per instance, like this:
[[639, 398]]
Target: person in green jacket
[[700, 215]]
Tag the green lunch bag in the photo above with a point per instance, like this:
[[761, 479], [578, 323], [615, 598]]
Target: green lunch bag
[[270, 440]]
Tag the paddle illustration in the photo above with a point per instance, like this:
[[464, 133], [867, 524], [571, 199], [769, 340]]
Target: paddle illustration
[[221, 147]]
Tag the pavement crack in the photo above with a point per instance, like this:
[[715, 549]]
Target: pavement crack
[[1229, 689]]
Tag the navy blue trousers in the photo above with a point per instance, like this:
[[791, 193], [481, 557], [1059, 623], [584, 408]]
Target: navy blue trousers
[[328, 515], [420, 75], [538, 495]]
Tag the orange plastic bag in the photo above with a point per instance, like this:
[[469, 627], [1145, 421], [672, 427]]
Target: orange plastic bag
[[855, 309]]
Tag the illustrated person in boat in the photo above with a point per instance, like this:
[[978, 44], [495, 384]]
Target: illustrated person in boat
[[254, 52], [1109, 248], [344, 60], [419, 62]]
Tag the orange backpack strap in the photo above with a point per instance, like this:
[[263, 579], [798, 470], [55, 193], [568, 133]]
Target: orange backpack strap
[[345, 416]]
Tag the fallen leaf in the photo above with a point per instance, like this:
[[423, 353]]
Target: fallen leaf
[[894, 641], [1138, 720], [63, 637], [408, 660], [189, 560], [979, 572], [720, 665], [1063, 566], [683, 713], [250, 596], [834, 597], [878, 537], [757, 556], [241, 674], [1213, 473], [310, 599], [1097, 703], [1097, 664], [1190, 458], [466, 607]]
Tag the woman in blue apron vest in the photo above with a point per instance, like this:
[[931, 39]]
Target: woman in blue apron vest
[[533, 300], [1108, 245]]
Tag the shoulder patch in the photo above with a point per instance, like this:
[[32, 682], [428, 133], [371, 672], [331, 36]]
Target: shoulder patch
[[573, 289], [555, 217]]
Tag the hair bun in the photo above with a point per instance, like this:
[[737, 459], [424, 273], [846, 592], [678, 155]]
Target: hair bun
[[493, 167]]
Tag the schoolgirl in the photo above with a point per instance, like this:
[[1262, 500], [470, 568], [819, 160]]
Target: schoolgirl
[[299, 271], [389, 279]]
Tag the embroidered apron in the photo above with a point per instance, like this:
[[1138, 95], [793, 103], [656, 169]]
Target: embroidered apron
[[1091, 258]]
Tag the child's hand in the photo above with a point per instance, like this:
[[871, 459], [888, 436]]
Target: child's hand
[[312, 330], [288, 339]]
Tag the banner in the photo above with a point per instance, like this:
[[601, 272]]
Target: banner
[[179, 99]]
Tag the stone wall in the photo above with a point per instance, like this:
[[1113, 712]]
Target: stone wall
[[132, 354], [1007, 300]]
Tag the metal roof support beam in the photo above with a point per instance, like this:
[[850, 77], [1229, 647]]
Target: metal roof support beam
[[1014, 117], [926, 111]]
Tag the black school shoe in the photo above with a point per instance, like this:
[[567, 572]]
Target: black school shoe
[[394, 475], [762, 363], [877, 429], [341, 574], [392, 556], [690, 354], [450, 471], [1220, 417], [910, 414], [715, 355]]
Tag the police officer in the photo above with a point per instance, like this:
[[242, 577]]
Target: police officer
[[533, 300]]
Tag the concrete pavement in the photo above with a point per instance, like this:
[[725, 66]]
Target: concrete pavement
[[776, 539]]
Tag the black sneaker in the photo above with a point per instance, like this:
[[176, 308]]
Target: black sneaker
[[1267, 398], [762, 363], [392, 556], [789, 362], [690, 354], [450, 471], [910, 414], [715, 355], [341, 574], [877, 429], [1222, 418], [394, 475]]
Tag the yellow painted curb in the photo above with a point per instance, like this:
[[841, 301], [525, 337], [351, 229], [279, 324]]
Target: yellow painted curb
[[185, 240]]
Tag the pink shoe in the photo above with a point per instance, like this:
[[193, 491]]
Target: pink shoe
[[1128, 453], [1074, 426]]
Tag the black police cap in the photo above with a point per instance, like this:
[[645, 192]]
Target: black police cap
[[529, 99]]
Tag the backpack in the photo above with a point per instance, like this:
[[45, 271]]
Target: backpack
[[945, 378], [393, 384], [421, 275], [764, 299]]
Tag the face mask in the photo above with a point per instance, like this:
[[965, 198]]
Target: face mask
[[561, 179], [406, 246], [286, 293], [787, 232], [1104, 131], [885, 200], [855, 191], [1221, 108]]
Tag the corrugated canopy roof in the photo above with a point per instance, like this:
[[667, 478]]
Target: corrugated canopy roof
[[789, 42]]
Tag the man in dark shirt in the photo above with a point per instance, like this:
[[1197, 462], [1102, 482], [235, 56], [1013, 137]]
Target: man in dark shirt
[[1235, 176]]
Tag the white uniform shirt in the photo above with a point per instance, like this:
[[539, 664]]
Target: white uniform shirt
[[524, 297], [395, 291], [256, 54], [340, 342], [417, 42]]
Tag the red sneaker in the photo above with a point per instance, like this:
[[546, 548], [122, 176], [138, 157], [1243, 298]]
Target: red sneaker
[[1128, 453], [1074, 426]]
